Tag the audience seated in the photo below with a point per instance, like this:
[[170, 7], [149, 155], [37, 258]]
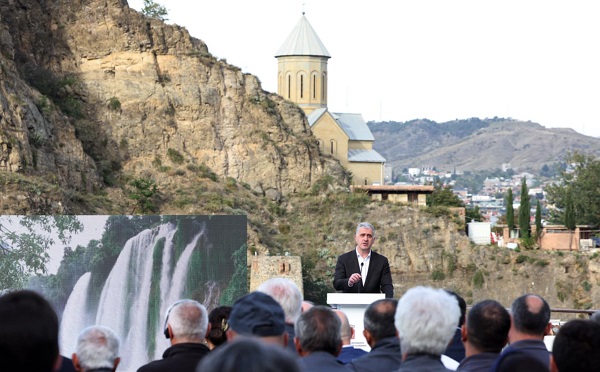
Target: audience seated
[[318, 340], [382, 337], [258, 315], [218, 326], [577, 347], [288, 295], [97, 350], [484, 334], [426, 319], [530, 315], [249, 355], [186, 326], [348, 352], [28, 333]]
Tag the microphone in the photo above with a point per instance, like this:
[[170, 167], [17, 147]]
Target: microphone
[[361, 281]]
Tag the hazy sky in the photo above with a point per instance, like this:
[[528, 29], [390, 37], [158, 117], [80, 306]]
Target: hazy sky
[[397, 60]]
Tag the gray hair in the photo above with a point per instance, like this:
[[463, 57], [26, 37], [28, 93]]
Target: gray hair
[[426, 319], [287, 294], [97, 347], [188, 319], [318, 329], [365, 225]]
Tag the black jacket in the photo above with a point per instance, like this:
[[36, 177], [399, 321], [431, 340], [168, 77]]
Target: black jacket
[[180, 357], [379, 277]]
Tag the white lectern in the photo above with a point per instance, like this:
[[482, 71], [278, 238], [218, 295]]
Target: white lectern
[[354, 306]]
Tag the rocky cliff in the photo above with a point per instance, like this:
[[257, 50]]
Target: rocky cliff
[[91, 88]]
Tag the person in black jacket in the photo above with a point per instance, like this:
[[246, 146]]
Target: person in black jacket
[[186, 326], [361, 270]]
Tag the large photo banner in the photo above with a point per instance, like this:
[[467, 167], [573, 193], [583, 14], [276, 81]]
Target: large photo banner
[[124, 272]]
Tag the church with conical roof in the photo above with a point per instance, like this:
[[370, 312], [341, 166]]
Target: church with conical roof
[[302, 79]]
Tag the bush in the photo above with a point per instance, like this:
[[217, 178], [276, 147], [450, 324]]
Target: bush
[[114, 104], [175, 156], [437, 275], [478, 279]]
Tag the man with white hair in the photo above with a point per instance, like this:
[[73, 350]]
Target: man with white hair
[[186, 326], [288, 295], [97, 350], [425, 319]]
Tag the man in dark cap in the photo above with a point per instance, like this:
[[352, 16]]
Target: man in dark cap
[[258, 315]]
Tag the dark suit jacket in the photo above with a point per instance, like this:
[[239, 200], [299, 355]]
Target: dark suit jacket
[[320, 361], [379, 277]]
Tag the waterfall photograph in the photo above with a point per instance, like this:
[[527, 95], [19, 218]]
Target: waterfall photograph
[[124, 272]]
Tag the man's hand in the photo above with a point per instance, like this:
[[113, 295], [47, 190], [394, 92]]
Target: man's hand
[[354, 278]]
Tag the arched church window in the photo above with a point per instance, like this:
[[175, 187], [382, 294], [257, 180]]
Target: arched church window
[[301, 86], [289, 86], [366, 181]]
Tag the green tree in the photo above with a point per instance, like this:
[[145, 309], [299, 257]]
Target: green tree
[[524, 211], [153, 9], [473, 214], [144, 191], [24, 246], [510, 211], [538, 220], [443, 196], [582, 180], [569, 215]]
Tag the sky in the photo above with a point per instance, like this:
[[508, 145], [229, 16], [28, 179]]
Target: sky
[[399, 60]]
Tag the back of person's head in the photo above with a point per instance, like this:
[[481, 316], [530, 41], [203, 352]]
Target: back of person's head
[[576, 347], [257, 314], [595, 317], [345, 328], [318, 329], [97, 347], [188, 321], [426, 319], [462, 304], [218, 324], [287, 293], [28, 332], [249, 355], [530, 314], [488, 324], [380, 317]]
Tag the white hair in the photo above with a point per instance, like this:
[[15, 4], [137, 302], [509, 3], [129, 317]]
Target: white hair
[[426, 319], [188, 319], [97, 347], [287, 294]]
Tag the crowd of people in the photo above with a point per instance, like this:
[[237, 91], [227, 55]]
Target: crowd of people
[[273, 329]]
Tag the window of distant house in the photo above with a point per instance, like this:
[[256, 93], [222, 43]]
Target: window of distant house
[[301, 86], [289, 86], [413, 198]]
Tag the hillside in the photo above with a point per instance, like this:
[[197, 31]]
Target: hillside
[[475, 144], [98, 102]]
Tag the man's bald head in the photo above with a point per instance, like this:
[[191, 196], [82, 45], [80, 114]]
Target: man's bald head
[[530, 315], [346, 330]]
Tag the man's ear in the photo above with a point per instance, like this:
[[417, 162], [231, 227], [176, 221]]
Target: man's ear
[[298, 346], [352, 333], [230, 334], [463, 333], [116, 363], [75, 362], [548, 329]]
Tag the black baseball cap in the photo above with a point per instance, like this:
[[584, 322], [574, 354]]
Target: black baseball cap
[[257, 314]]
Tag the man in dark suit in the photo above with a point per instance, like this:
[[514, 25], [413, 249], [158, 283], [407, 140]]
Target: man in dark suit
[[362, 270]]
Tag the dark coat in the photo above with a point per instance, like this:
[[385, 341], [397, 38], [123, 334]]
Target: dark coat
[[422, 363], [349, 353], [384, 356], [456, 349], [320, 361], [379, 276], [482, 362], [182, 357], [535, 348]]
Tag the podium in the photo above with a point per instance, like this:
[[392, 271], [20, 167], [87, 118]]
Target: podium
[[354, 306]]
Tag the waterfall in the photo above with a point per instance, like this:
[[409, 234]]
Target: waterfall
[[76, 313], [124, 302]]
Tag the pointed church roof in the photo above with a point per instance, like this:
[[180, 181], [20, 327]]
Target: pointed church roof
[[303, 41]]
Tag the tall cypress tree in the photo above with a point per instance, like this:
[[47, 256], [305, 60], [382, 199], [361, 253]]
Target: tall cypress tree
[[538, 220], [510, 212], [524, 211], [569, 211]]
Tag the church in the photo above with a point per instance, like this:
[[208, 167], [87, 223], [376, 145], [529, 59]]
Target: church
[[302, 79]]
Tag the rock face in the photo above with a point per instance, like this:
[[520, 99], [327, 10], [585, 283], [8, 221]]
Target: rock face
[[140, 95]]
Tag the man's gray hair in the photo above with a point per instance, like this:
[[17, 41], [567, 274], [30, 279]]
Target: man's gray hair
[[426, 319], [188, 319], [318, 329], [97, 347], [365, 225], [287, 294]]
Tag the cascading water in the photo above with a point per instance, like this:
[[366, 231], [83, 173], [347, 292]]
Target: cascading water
[[124, 300]]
